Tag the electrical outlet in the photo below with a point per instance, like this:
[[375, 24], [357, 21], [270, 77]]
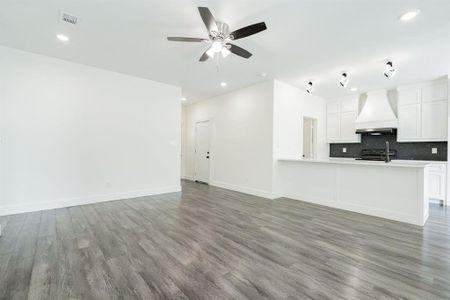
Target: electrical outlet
[[433, 150], [344, 150]]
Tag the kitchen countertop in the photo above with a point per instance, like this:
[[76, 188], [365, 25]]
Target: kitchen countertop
[[352, 161]]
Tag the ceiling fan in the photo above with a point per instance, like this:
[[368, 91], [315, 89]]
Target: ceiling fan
[[220, 37]]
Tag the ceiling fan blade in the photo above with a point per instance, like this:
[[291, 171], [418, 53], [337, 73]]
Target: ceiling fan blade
[[185, 39], [208, 19], [248, 30], [239, 51], [204, 56]]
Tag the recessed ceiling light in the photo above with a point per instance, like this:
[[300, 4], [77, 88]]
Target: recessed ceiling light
[[353, 89], [62, 37], [223, 84], [409, 15], [183, 99]]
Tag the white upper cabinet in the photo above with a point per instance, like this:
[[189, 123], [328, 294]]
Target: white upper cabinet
[[409, 122], [341, 116], [333, 127], [423, 112], [348, 126], [434, 120], [435, 92], [408, 96], [349, 104], [333, 107]]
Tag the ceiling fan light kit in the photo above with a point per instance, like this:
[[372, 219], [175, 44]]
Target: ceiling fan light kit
[[220, 38]]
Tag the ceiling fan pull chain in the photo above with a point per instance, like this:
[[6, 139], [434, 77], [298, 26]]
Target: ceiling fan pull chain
[[217, 63]]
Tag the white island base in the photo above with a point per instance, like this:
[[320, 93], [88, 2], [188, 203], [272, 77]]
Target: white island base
[[395, 190]]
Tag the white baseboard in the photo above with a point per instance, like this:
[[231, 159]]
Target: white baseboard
[[30, 207], [188, 178], [277, 195], [435, 201], [245, 190], [365, 210]]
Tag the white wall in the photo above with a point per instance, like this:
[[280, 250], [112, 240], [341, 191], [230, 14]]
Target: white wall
[[72, 134], [241, 138], [251, 128], [290, 106]]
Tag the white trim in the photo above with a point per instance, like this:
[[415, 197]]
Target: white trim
[[245, 190], [60, 203]]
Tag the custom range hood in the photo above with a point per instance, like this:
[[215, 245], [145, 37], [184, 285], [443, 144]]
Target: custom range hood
[[377, 115]]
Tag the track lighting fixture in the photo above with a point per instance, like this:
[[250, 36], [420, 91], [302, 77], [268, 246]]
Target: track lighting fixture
[[344, 80], [309, 88], [390, 71]]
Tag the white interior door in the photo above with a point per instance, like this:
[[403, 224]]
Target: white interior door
[[202, 141]]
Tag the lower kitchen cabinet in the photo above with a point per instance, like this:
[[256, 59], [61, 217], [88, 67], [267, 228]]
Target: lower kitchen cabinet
[[437, 181]]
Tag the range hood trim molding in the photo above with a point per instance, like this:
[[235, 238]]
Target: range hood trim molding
[[378, 124]]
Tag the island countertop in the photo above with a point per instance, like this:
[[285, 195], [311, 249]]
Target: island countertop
[[352, 161]]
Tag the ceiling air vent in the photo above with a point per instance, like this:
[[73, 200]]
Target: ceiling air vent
[[68, 18]]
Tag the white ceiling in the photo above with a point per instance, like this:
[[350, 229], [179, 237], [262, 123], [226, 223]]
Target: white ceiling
[[306, 40]]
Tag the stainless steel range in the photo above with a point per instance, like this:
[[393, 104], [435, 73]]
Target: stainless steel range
[[377, 154]]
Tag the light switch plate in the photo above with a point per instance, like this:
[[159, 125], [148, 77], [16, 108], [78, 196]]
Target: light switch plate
[[433, 150], [344, 150]]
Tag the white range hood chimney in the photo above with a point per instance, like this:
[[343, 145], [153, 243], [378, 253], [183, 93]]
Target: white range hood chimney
[[376, 115]]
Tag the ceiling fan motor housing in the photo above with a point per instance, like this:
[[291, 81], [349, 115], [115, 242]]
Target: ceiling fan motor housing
[[224, 31]]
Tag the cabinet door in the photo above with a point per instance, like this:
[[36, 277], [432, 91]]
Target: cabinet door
[[409, 96], [409, 122], [436, 186], [434, 92], [333, 107], [434, 120], [348, 127], [333, 127], [349, 104]]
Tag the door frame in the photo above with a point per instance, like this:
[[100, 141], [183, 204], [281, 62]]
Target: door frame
[[195, 150], [314, 143]]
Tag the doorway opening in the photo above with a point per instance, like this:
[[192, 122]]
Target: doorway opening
[[202, 151], [309, 137]]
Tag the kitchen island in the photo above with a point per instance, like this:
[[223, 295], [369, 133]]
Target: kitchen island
[[396, 190]]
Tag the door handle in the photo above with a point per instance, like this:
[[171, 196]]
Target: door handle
[[207, 157]]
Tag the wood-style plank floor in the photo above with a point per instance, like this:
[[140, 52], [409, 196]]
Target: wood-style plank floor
[[210, 243]]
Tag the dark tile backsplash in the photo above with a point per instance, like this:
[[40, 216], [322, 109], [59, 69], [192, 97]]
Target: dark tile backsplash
[[411, 151]]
